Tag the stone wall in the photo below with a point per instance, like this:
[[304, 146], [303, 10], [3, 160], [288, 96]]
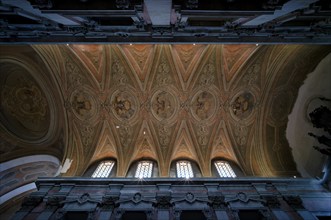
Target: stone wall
[[166, 198]]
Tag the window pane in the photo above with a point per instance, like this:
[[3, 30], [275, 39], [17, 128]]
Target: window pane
[[103, 170], [144, 169], [224, 169], [184, 169]]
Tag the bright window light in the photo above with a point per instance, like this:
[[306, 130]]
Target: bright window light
[[184, 169], [144, 169], [103, 170], [224, 169]]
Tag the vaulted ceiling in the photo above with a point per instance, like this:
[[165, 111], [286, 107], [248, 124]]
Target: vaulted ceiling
[[87, 102]]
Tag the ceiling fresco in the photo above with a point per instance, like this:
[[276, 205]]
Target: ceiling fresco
[[87, 102]]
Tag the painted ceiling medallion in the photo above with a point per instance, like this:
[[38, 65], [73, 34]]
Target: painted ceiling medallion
[[25, 109], [124, 105], [164, 105], [242, 105], [203, 105], [83, 104]]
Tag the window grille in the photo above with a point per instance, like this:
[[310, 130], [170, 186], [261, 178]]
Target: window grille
[[224, 169], [103, 170], [144, 169], [184, 169]]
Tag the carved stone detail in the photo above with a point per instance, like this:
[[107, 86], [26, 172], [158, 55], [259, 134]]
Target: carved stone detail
[[271, 201], [109, 202], [136, 198], [294, 201], [190, 197], [243, 197], [55, 201], [191, 4], [217, 202], [163, 202], [122, 4]]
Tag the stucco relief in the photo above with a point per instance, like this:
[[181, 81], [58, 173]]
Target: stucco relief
[[118, 72], [124, 105], [208, 75], [125, 134], [203, 105], [164, 105], [74, 76], [164, 137], [163, 73], [240, 133], [252, 73]]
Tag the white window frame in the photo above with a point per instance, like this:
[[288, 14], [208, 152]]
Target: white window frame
[[144, 169], [184, 169], [104, 169], [224, 169]]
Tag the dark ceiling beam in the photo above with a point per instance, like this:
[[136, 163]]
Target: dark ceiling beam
[[23, 23]]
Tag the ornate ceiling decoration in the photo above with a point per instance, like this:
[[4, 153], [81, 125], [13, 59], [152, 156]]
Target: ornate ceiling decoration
[[25, 109], [31, 113], [178, 101]]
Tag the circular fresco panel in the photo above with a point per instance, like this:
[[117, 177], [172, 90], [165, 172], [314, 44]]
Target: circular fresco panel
[[124, 105], [83, 104], [164, 105], [24, 107], [203, 105], [242, 105]]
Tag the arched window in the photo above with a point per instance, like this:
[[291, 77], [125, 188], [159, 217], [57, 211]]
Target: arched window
[[104, 169], [224, 169], [144, 169], [184, 169]]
